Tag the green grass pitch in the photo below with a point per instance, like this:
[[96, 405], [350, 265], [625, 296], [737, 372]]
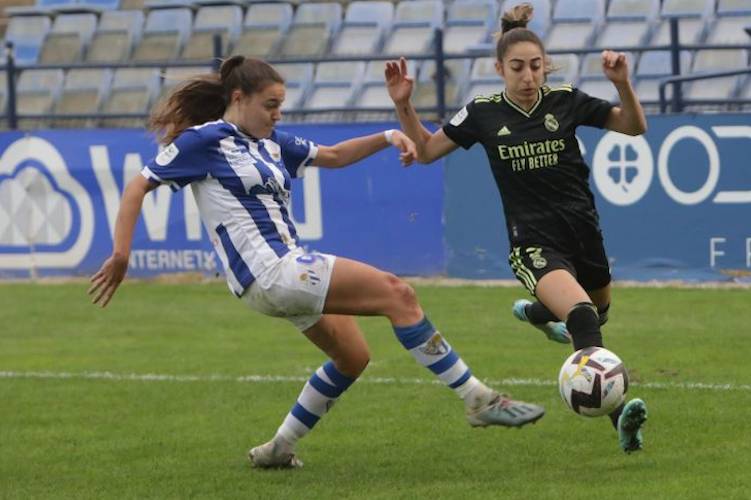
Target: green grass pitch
[[80, 417]]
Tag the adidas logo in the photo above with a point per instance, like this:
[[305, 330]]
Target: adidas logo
[[504, 131]]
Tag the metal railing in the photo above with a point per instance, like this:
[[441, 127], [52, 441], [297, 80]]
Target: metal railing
[[438, 55]]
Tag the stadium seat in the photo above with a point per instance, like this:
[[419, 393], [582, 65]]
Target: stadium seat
[[363, 29], [574, 24], [118, 33], [456, 73], [311, 30], [733, 16], [565, 69], [27, 34], [83, 92], [469, 23], [164, 35], [483, 79], [692, 16], [627, 23], [133, 90], [100, 4], [68, 39], [541, 15], [298, 79], [414, 25], [598, 86], [710, 60], [652, 67], [263, 28], [225, 20], [175, 76], [36, 93], [592, 64]]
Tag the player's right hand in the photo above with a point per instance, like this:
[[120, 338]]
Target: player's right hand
[[398, 82], [105, 282]]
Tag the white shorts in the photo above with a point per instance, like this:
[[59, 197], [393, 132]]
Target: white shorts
[[295, 288]]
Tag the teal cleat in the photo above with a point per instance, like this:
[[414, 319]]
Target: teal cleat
[[630, 422], [553, 330]]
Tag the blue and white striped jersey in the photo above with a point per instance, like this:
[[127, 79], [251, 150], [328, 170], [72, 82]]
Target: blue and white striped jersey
[[242, 188]]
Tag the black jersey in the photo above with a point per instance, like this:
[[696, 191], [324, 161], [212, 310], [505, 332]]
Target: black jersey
[[536, 161]]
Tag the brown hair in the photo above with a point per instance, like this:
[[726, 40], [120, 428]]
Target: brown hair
[[205, 98], [514, 30]]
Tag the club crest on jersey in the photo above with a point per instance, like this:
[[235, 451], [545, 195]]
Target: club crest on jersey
[[551, 123], [435, 346]]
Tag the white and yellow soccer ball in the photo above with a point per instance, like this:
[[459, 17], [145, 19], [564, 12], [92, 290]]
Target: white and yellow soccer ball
[[593, 381]]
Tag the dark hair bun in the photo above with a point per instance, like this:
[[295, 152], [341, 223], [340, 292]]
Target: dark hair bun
[[518, 17]]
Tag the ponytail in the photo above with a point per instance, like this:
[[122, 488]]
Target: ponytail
[[205, 98]]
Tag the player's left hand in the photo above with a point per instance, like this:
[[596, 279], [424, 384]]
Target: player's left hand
[[105, 282], [406, 146], [614, 66]]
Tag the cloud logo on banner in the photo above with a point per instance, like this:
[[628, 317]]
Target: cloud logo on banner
[[34, 211], [622, 168]]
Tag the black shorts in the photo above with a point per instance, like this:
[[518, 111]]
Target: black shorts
[[588, 264]]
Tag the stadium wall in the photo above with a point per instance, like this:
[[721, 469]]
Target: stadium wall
[[674, 204]]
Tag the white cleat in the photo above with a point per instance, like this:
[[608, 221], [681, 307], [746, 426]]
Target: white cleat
[[502, 410], [553, 330], [273, 456]]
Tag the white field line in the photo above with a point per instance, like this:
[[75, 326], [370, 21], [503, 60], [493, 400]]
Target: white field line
[[155, 377]]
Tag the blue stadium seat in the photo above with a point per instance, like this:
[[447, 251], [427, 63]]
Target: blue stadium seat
[[68, 39], [224, 20], [413, 28], [364, 26], [263, 29], [312, 28], [27, 34], [83, 92], [164, 35], [118, 33], [574, 23], [468, 24]]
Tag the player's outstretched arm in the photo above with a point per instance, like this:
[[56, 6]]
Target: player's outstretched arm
[[628, 118], [104, 282], [429, 146], [353, 150]]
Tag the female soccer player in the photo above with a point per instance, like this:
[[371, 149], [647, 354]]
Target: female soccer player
[[528, 134], [220, 130]]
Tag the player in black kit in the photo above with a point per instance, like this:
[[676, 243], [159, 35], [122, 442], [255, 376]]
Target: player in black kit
[[528, 132]]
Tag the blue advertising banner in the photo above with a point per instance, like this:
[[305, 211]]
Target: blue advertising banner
[[60, 192], [675, 203]]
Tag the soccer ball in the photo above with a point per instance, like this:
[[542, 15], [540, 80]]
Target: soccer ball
[[593, 381]]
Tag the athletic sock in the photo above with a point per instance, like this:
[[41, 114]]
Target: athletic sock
[[317, 397], [538, 314], [432, 351], [603, 314], [584, 326], [615, 414]]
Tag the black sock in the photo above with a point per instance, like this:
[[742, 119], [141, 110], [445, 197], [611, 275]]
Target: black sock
[[538, 314], [615, 414], [603, 314], [584, 326]]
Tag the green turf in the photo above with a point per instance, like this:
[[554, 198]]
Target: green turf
[[95, 438]]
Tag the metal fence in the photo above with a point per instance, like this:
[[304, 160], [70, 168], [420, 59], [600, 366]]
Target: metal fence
[[438, 111]]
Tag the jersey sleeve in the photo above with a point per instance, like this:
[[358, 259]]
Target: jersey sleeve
[[462, 128], [180, 163], [591, 111], [297, 153]]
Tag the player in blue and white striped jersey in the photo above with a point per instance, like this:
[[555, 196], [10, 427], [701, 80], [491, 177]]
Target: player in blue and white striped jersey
[[221, 141]]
